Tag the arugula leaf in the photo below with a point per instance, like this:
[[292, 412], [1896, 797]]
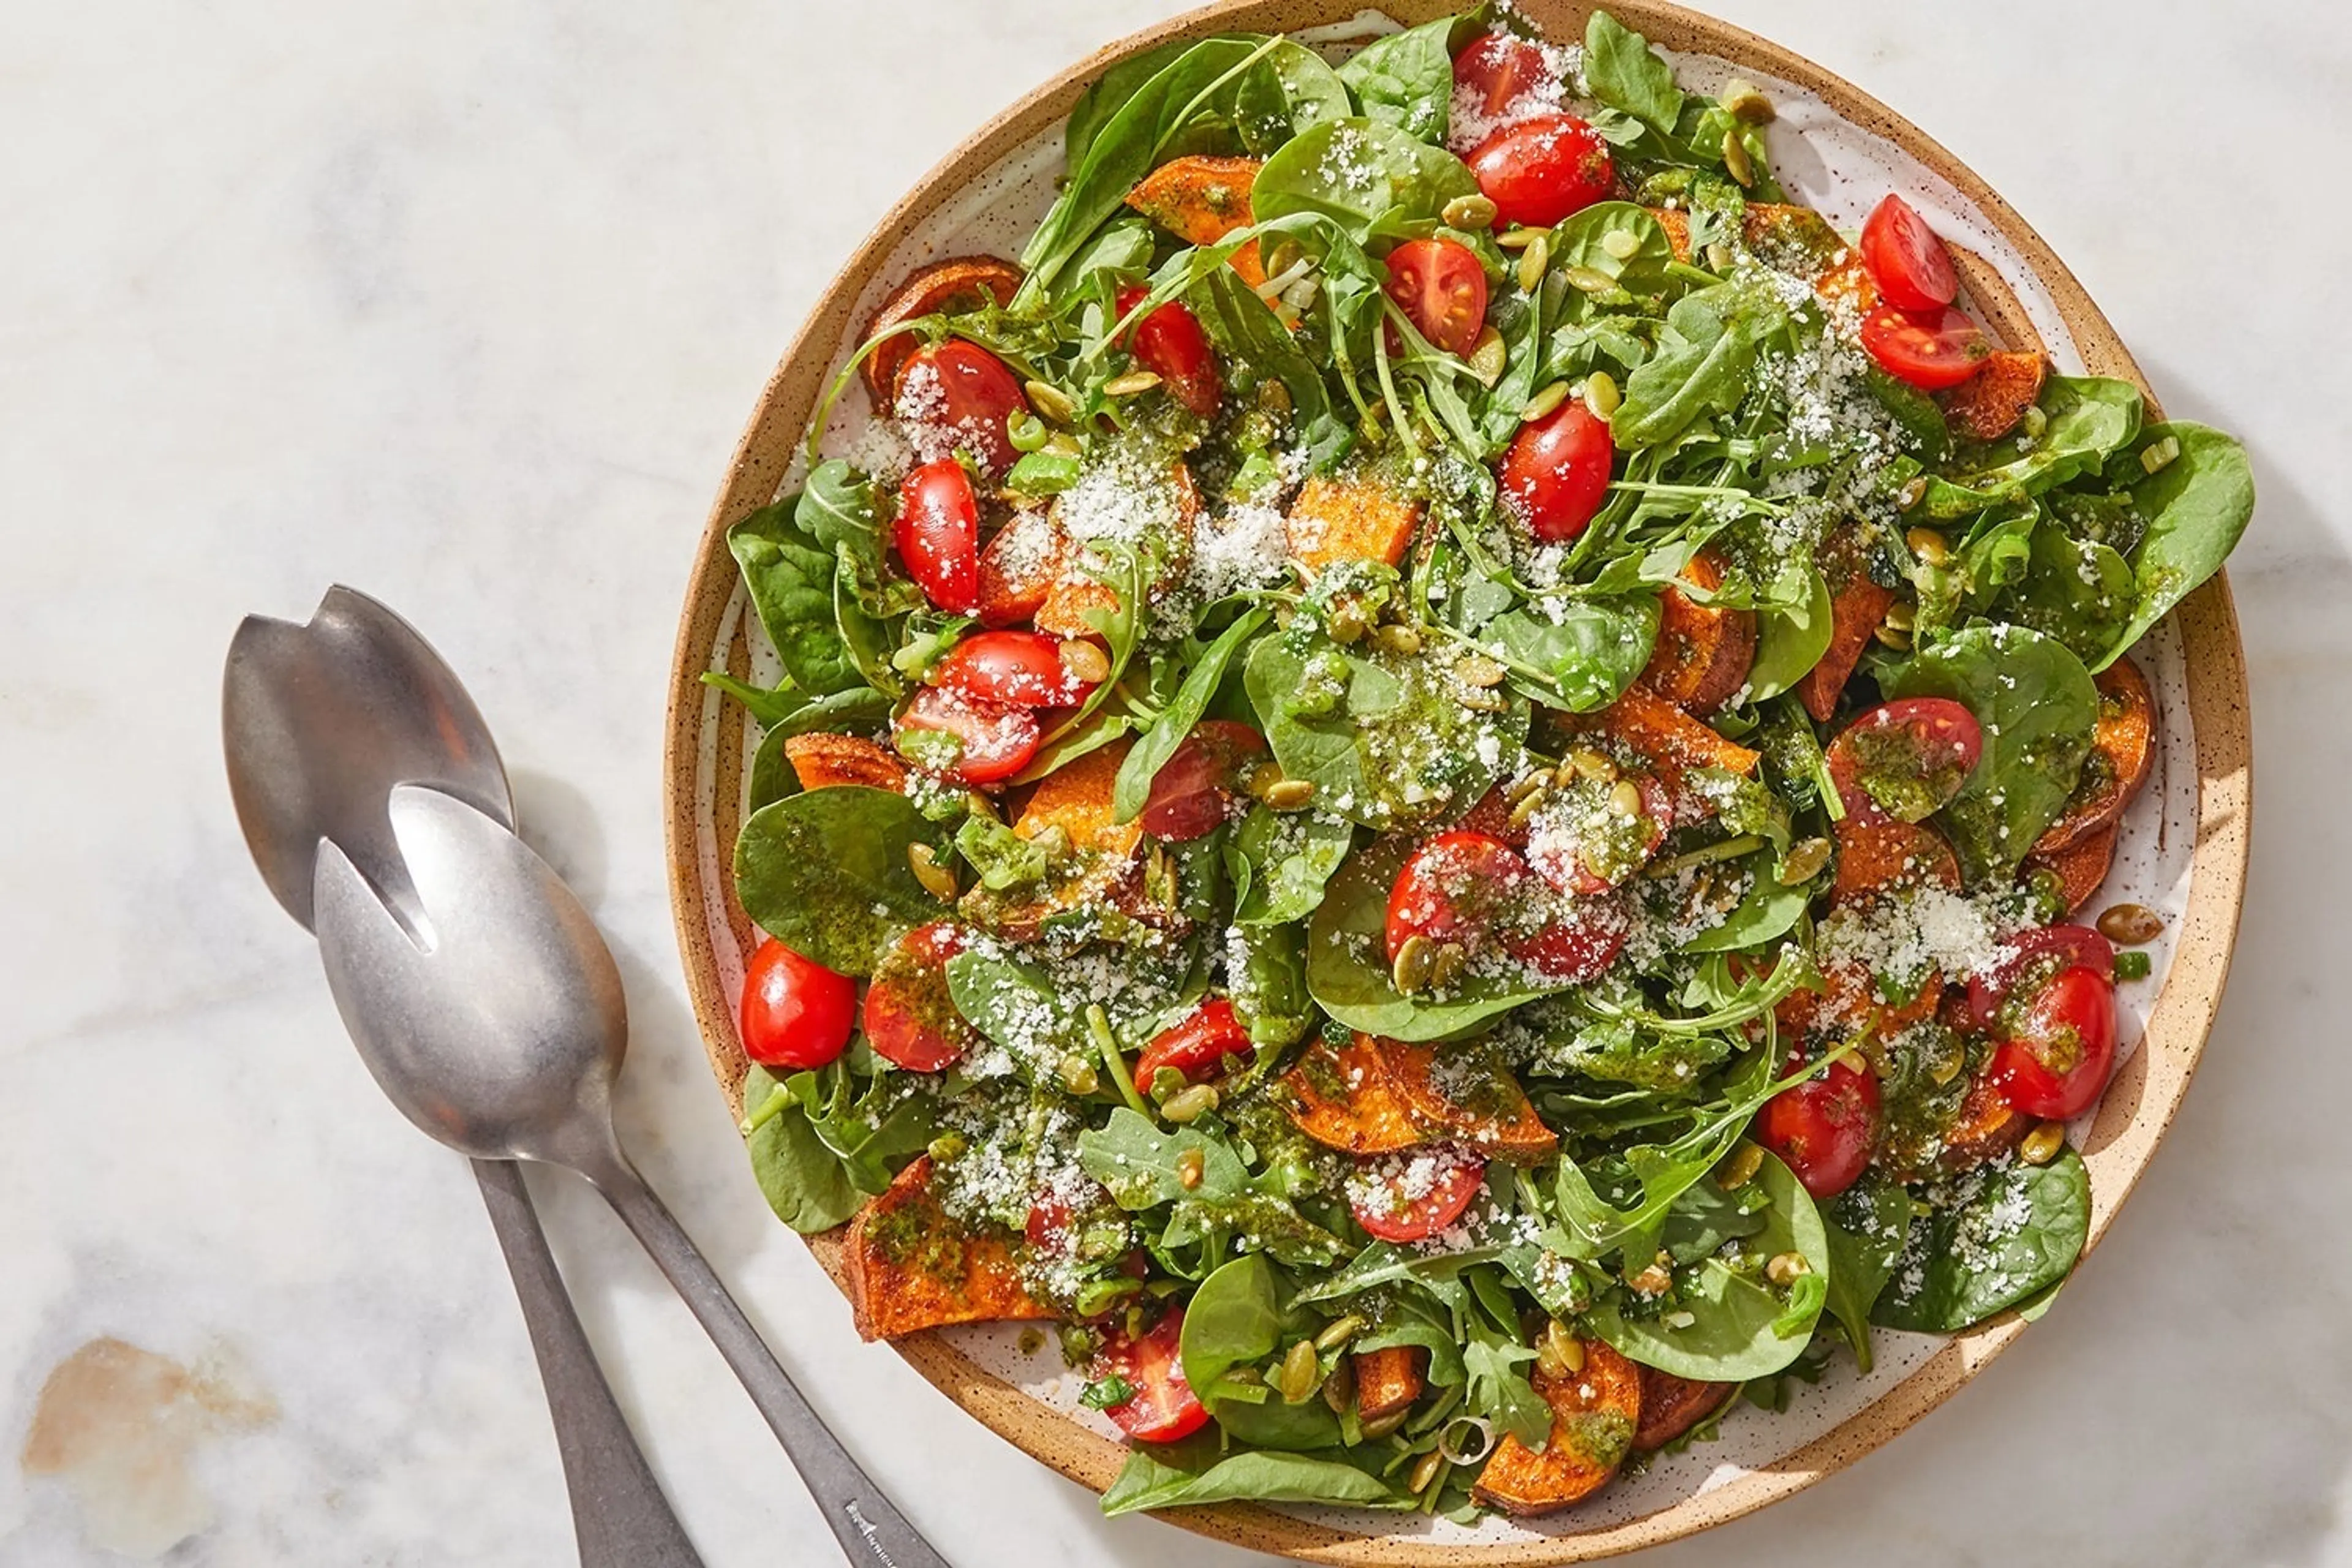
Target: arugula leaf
[[1132, 789], [2014, 1231], [826, 873], [1499, 1391], [1768, 909], [1706, 355], [1623, 72], [2195, 508]]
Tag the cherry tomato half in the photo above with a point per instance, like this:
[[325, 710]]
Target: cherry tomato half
[[1457, 886], [1904, 761], [1930, 350], [1576, 945], [1195, 1043], [992, 742], [1169, 344], [957, 393], [1500, 68], [1190, 791], [1825, 1128], [1556, 473], [1442, 289], [909, 1018], [796, 1013], [2032, 955], [1010, 670], [1539, 171], [1163, 1408], [1414, 1195], [2058, 1060], [938, 535], [1906, 259]]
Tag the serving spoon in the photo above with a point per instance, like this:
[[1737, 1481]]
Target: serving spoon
[[493, 1016], [319, 722]]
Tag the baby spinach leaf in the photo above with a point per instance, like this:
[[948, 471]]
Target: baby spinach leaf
[[2014, 1231], [2076, 589], [1291, 857], [1372, 179], [1741, 1327], [808, 1188], [1347, 969], [1141, 1166], [1582, 239], [1266, 970], [1152, 749], [820, 1148], [1789, 640], [790, 577], [1194, 1472], [826, 874], [1406, 79], [2086, 418], [1122, 246], [2195, 507], [2037, 706], [1866, 1225], [1231, 1321], [1289, 90], [1015, 1004], [1594, 650], [1706, 355], [1623, 72]]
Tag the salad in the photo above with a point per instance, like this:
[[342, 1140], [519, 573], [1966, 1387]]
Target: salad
[[1430, 774]]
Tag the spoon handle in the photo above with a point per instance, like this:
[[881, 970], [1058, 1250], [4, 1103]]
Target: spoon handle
[[871, 1530], [619, 1516]]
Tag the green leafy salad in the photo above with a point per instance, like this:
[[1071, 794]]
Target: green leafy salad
[[1430, 771]]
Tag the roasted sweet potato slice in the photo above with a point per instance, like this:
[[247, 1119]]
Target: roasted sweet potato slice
[[958, 283], [1886, 855], [1794, 238], [1388, 1380], [1669, 737], [908, 1267], [1848, 285], [2081, 865], [1019, 568], [1856, 607], [1986, 1126], [825, 760], [1075, 799], [1458, 1091], [1987, 406], [1200, 200], [1594, 1414], [1342, 1098], [1671, 1406], [1676, 223], [1350, 519], [2122, 748], [1704, 650], [1173, 517], [1851, 1005]]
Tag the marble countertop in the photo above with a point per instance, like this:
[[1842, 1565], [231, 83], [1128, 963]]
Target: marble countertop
[[464, 304]]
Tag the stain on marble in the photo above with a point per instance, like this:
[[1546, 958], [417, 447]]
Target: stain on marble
[[120, 1427]]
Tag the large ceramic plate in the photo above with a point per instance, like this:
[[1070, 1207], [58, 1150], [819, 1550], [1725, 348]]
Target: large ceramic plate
[[2183, 849]]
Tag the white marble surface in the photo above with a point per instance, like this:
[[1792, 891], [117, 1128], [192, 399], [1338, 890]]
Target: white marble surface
[[464, 303]]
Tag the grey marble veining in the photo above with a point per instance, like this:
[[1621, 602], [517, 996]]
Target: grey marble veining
[[465, 304]]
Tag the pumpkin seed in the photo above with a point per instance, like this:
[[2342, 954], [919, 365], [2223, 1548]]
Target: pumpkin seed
[[1479, 672], [2130, 924], [936, 879], [1529, 804], [1625, 798], [1517, 238], [1298, 1370], [1469, 212], [1534, 260], [1078, 1075], [1740, 1168], [1387, 1424], [1050, 401], [1565, 1347], [1747, 103], [979, 805], [1803, 861], [1347, 621], [1902, 616], [948, 1147], [1064, 445], [1273, 396], [1718, 256], [1489, 356], [1424, 1474], [1480, 700], [1600, 394], [1339, 1388], [1519, 788], [1914, 490], [1591, 764], [1544, 402], [1191, 1104], [1340, 1333], [1415, 958], [1446, 967], [2042, 1144], [1285, 254], [1891, 635], [1403, 641], [1085, 662], [1736, 160], [1621, 244], [1130, 383], [1589, 280], [1929, 545], [1786, 1268], [1289, 794]]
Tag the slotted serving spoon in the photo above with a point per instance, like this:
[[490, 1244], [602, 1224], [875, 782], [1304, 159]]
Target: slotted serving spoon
[[492, 1015], [319, 722]]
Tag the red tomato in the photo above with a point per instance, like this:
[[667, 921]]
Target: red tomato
[[1906, 259], [1170, 344], [1931, 349], [2058, 1060], [1556, 473], [938, 535], [1443, 289], [1574, 862], [1419, 1195], [2031, 954], [1918, 750], [1190, 791], [1825, 1128], [995, 742], [1010, 670], [1454, 889], [1577, 947], [910, 1019], [1197, 1043], [796, 1014], [961, 389], [1499, 69], [1539, 171], [1164, 1407]]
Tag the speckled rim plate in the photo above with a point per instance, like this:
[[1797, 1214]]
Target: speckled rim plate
[[709, 744]]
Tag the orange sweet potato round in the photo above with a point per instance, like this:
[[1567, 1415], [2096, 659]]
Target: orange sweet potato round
[[958, 283], [1594, 1414], [2123, 747]]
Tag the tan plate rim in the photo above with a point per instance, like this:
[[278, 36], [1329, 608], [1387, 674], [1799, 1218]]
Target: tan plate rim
[[2132, 1118]]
